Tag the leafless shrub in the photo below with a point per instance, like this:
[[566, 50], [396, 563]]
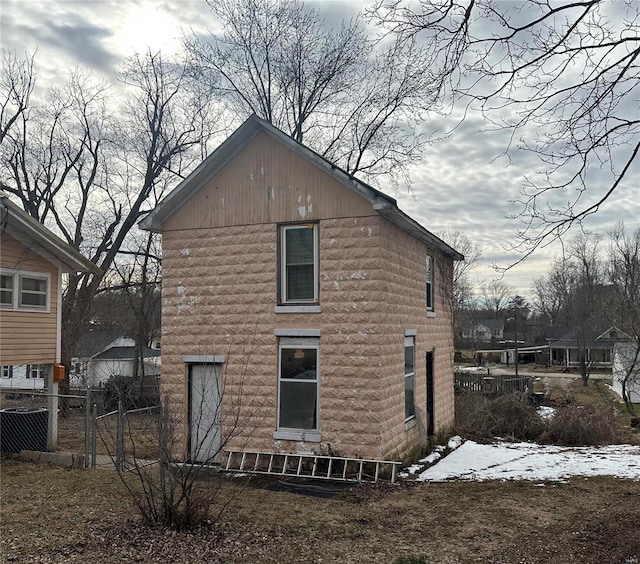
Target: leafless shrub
[[588, 424], [483, 418], [168, 457]]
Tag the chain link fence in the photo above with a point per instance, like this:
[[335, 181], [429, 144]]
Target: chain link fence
[[125, 437], [83, 426], [25, 422]]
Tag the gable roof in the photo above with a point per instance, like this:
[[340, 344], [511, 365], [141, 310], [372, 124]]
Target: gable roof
[[381, 203], [125, 353], [33, 234], [589, 337], [94, 342]]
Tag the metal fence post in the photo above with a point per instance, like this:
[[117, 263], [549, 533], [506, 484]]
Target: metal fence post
[[94, 420], [120, 438], [87, 415]]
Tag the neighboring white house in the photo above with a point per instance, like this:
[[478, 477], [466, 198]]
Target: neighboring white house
[[101, 355], [484, 330], [23, 376], [626, 360]]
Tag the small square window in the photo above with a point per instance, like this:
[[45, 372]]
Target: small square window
[[6, 372], [298, 264]]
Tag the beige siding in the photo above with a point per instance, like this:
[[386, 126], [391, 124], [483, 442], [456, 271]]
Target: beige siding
[[219, 295], [28, 337], [267, 183]]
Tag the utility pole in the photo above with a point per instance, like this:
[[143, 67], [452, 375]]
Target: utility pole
[[515, 337]]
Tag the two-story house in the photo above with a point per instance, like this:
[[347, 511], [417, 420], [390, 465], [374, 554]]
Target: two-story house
[[301, 307], [32, 263], [484, 331]]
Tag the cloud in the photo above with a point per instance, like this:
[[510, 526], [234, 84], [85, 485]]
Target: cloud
[[67, 29]]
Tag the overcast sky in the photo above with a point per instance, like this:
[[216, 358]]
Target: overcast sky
[[463, 183]]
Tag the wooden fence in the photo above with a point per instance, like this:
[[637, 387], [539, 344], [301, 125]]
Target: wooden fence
[[491, 384]]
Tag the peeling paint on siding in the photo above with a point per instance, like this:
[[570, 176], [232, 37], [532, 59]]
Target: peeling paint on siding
[[185, 252]]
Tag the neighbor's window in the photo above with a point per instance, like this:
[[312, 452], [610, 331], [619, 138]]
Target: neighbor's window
[[298, 383], [299, 264], [6, 372], [6, 290], [430, 302], [409, 378], [33, 291], [35, 371]]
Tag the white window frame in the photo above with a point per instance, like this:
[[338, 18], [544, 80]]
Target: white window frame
[[410, 342], [6, 371], [288, 433], [35, 371], [16, 292], [12, 277], [282, 266], [430, 290]]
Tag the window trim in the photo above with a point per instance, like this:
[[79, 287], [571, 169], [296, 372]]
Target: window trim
[[292, 433], [12, 277], [282, 267], [16, 291], [40, 371], [429, 289], [410, 342]]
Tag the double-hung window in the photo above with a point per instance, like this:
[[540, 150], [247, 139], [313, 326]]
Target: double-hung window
[[298, 262], [33, 291], [298, 376], [409, 378], [430, 284], [6, 290], [24, 290], [6, 371]]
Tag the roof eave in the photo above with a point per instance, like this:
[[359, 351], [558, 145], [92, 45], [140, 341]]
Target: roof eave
[[26, 229], [396, 216]]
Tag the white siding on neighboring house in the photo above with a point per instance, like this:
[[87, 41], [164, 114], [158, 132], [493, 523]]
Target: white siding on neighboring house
[[624, 355], [23, 377]]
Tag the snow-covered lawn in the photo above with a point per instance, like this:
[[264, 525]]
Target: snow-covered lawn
[[529, 461]]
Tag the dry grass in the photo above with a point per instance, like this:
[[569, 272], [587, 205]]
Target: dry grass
[[55, 515]]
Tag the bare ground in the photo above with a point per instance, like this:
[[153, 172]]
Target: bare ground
[[50, 514]]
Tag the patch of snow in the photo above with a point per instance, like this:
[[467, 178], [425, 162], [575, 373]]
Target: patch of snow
[[454, 442], [546, 412], [530, 461], [431, 457]]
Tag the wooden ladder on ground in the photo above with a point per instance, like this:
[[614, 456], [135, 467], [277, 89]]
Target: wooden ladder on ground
[[312, 466]]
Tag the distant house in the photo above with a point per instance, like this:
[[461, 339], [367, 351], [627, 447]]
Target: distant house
[[32, 264], [597, 345], [626, 365], [101, 355], [321, 310], [484, 331]]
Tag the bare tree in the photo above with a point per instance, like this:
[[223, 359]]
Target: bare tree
[[462, 286], [91, 167], [495, 297], [16, 86], [563, 77], [623, 273], [356, 102]]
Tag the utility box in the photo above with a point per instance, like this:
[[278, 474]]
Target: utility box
[[23, 428]]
